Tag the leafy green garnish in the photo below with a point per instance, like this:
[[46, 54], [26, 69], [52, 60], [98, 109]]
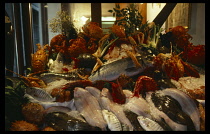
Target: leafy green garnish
[[14, 99]]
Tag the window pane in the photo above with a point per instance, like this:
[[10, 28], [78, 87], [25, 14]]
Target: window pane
[[80, 13], [107, 17], [52, 9]]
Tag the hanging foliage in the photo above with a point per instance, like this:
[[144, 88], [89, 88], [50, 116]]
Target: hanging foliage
[[130, 18], [62, 23]]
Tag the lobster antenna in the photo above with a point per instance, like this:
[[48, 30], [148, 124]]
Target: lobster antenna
[[14, 72], [17, 75], [180, 53]]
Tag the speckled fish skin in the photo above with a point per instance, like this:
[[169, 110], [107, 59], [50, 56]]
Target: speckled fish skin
[[39, 94], [187, 104], [113, 70], [159, 115], [148, 124], [112, 121], [134, 121], [89, 108]]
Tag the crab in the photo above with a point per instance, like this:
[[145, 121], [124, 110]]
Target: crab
[[174, 66], [40, 58], [58, 42], [144, 84]]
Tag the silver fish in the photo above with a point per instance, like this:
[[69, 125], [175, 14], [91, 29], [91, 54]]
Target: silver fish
[[112, 121], [48, 104], [148, 124], [114, 69], [39, 94]]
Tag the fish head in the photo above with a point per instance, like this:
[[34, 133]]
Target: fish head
[[78, 92], [30, 90]]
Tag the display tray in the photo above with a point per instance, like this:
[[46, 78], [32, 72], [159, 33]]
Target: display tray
[[112, 82]]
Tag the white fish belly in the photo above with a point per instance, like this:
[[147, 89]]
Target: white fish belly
[[89, 108]]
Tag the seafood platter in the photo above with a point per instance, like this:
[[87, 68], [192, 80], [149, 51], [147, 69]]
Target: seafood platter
[[143, 80]]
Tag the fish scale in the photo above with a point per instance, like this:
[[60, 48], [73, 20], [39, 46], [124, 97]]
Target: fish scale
[[39, 94], [112, 121], [148, 124]]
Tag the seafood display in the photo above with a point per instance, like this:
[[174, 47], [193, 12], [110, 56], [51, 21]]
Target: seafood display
[[119, 81]]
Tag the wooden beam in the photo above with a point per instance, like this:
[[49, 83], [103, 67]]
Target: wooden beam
[[44, 19], [9, 45], [19, 42], [164, 13], [28, 37], [96, 13]]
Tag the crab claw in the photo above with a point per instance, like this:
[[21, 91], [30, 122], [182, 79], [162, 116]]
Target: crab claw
[[117, 93], [144, 84], [189, 70]]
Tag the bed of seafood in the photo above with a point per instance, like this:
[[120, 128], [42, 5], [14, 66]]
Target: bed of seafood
[[114, 82]]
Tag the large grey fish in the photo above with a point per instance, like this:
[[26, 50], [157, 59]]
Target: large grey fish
[[114, 69], [71, 76], [39, 94]]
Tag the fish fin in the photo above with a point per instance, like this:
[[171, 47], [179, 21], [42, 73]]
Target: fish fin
[[134, 59]]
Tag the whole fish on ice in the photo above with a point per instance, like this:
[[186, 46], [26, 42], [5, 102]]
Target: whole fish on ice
[[160, 115], [39, 94], [47, 104], [89, 108], [188, 105], [113, 70]]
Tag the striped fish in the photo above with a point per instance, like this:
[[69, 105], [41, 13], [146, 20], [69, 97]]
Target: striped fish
[[39, 94], [148, 124], [112, 121]]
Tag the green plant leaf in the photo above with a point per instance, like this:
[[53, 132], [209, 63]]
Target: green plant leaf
[[110, 11]]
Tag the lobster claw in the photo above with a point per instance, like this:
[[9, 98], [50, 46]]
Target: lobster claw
[[117, 93], [144, 84], [190, 71]]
